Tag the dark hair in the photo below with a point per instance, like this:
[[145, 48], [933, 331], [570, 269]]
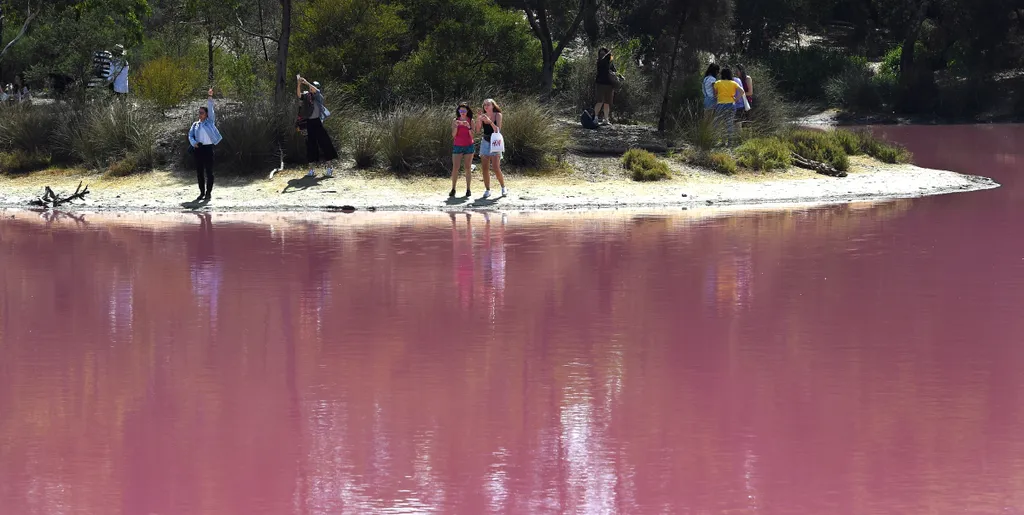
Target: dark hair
[[603, 52], [712, 71], [741, 72], [469, 110], [204, 110], [726, 74]]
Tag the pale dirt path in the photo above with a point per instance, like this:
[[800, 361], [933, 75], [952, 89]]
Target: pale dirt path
[[595, 183]]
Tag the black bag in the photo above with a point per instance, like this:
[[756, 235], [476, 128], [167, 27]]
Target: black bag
[[587, 120]]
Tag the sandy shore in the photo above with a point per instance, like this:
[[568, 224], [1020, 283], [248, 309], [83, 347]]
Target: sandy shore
[[594, 183]]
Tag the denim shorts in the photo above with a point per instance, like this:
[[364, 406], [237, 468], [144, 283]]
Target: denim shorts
[[485, 148], [463, 150]]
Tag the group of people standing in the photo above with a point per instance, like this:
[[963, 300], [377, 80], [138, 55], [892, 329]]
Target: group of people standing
[[464, 127], [727, 94], [203, 135], [15, 93]]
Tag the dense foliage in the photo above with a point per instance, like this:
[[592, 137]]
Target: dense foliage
[[924, 56]]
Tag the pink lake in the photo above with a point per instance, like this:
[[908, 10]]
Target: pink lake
[[853, 359]]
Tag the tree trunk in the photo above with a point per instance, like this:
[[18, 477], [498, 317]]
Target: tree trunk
[[209, 61], [548, 73], [662, 118], [281, 86], [907, 68]]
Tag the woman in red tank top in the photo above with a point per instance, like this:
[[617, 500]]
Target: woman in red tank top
[[463, 148]]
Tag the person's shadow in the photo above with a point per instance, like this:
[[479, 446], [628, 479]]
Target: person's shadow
[[195, 204], [486, 202], [302, 183]]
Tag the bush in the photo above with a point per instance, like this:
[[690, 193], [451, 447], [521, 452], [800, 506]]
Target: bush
[[533, 137], [764, 154], [804, 72], [721, 162], [103, 133], [251, 138], [644, 166], [417, 138], [19, 161], [818, 146], [26, 128], [861, 142], [634, 99], [167, 82], [882, 150], [858, 89], [852, 142]]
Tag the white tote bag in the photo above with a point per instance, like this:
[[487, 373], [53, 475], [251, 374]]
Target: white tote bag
[[497, 143]]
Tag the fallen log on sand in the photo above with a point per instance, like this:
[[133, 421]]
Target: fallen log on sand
[[817, 166], [51, 200]]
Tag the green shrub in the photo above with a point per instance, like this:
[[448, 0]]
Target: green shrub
[[803, 72], [883, 151], [852, 142], [533, 137], [417, 138], [858, 89], [764, 154], [721, 162], [644, 166], [20, 161], [167, 82], [818, 146]]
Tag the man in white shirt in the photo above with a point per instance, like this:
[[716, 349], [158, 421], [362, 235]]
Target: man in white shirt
[[119, 72]]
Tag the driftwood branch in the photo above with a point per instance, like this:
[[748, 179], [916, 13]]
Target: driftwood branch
[[817, 166], [51, 200]]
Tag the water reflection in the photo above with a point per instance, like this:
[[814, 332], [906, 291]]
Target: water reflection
[[834, 360]]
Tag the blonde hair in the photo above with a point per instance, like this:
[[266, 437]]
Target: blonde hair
[[497, 108]]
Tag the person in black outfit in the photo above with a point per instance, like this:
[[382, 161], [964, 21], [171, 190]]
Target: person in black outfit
[[203, 136], [605, 85], [318, 143]]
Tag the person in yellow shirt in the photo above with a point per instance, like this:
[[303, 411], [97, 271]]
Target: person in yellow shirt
[[728, 93]]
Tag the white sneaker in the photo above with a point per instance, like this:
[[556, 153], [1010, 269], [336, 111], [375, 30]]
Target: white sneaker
[[487, 193], [330, 172], [312, 173], [504, 191]]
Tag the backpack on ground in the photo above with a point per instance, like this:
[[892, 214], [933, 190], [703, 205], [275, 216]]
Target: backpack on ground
[[587, 120]]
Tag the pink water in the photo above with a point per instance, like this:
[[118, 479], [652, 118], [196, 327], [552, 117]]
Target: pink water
[[843, 360]]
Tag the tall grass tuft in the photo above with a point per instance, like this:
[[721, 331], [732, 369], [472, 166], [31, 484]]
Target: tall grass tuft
[[251, 139], [101, 134], [365, 145], [533, 138], [698, 127], [417, 138], [27, 128]]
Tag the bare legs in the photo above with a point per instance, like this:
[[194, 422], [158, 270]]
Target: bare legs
[[465, 160], [494, 162]]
